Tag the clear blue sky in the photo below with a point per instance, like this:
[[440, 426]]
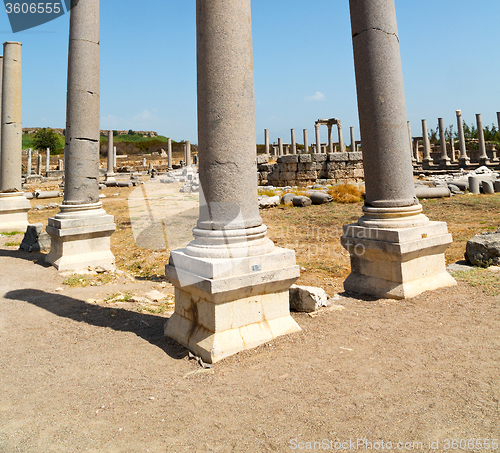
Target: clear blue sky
[[303, 65]]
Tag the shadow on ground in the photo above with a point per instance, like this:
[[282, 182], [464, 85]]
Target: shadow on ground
[[146, 326], [35, 257]]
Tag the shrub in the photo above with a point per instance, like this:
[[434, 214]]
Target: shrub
[[346, 193]]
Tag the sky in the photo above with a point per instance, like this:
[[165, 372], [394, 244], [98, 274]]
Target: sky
[[303, 65]]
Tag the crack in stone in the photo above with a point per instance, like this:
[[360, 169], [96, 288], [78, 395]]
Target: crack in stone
[[86, 139], [377, 29]]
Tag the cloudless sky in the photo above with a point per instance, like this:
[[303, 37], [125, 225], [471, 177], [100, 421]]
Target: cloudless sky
[[303, 64]]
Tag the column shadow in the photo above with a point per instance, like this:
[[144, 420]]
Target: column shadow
[[36, 257], [146, 326]]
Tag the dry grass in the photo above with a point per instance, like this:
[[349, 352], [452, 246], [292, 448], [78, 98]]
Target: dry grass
[[346, 193], [483, 279]]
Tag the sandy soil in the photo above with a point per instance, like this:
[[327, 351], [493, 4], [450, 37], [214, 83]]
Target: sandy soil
[[80, 375]]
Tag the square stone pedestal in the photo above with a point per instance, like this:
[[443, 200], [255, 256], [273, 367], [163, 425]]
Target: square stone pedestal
[[14, 209], [80, 242], [397, 263], [223, 306]]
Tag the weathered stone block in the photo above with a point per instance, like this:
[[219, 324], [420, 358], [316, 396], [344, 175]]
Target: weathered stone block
[[484, 249], [336, 157], [319, 157], [262, 159], [310, 166], [307, 298], [338, 165], [303, 158], [307, 175], [289, 159], [301, 201], [354, 156], [358, 173]]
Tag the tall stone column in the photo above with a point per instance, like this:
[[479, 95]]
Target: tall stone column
[[294, 144], [444, 160], [110, 172], [188, 153], [28, 162], [231, 283], [452, 151], [80, 232], [14, 206], [169, 153], [463, 159], [39, 164], [411, 142], [47, 161], [353, 140], [395, 251], [114, 157], [266, 140], [483, 157], [427, 144], [280, 146], [318, 139], [330, 138], [341, 137], [306, 142]]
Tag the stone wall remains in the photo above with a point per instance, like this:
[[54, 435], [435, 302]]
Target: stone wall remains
[[309, 169]]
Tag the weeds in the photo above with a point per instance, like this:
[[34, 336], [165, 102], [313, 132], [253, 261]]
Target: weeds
[[77, 281], [346, 193], [483, 279], [10, 233], [12, 244]]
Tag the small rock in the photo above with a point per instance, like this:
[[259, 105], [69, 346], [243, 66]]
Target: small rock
[[59, 289], [301, 201], [156, 296], [307, 298]]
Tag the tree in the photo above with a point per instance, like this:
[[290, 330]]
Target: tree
[[47, 138]]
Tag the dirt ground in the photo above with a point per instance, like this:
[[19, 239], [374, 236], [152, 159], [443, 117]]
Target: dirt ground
[[84, 370]]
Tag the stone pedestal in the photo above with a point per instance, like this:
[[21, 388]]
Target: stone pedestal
[[80, 238], [231, 283], [395, 251], [223, 306], [14, 209], [397, 263]]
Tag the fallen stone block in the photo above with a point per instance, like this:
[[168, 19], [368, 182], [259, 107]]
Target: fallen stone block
[[307, 298], [35, 239], [484, 249], [287, 198], [320, 197], [301, 201], [487, 187]]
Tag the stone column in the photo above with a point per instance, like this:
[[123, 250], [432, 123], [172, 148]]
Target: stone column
[[80, 232], [280, 146], [28, 163], [144, 162], [395, 251], [330, 138], [411, 141], [39, 164], [452, 150], [47, 161], [353, 140], [114, 157], [427, 144], [444, 159], [483, 157], [14, 206], [188, 153], [60, 164], [341, 138], [294, 144], [266, 140], [415, 150], [306, 142], [463, 159], [169, 153], [110, 172], [231, 283], [318, 139]]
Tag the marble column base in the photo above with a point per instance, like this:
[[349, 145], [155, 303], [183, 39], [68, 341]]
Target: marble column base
[[397, 263], [444, 162], [223, 306], [428, 162], [80, 237], [14, 209], [463, 161], [484, 161], [110, 176]]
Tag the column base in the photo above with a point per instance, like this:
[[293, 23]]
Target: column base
[[110, 176], [80, 237], [14, 209], [444, 162], [463, 161], [428, 162], [484, 161], [224, 306], [397, 263]]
